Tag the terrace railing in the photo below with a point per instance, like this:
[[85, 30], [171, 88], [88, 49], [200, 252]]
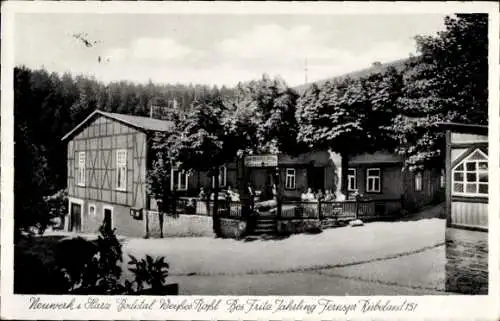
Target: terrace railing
[[197, 206], [322, 210]]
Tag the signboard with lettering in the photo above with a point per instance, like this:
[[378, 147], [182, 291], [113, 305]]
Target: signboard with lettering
[[261, 161]]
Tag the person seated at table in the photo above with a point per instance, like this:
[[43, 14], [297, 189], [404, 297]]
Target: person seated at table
[[202, 195], [234, 196], [221, 197], [319, 195], [308, 196], [329, 197]]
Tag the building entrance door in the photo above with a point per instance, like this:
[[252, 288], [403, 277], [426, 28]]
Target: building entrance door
[[75, 218], [316, 178], [108, 218]]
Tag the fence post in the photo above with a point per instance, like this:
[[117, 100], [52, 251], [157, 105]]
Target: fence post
[[357, 208], [319, 210], [146, 218]]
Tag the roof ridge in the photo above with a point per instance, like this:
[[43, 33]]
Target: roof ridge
[[139, 122]]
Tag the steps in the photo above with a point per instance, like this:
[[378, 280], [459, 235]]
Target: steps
[[265, 225]]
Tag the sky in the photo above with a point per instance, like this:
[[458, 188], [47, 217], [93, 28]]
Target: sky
[[216, 49]]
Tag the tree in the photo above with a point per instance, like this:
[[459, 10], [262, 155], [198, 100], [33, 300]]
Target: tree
[[200, 143], [447, 82], [29, 156], [349, 116], [164, 153], [263, 117], [330, 119], [203, 144]]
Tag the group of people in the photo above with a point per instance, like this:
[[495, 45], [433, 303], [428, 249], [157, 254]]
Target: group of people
[[226, 194], [308, 195], [327, 196]]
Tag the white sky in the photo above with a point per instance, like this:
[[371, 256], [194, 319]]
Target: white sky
[[216, 49]]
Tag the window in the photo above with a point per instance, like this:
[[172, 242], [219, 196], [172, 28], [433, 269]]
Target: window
[[81, 169], [442, 179], [178, 180], [290, 178], [351, 180], [91, 209], [222, 177], [121, 169], [373, 180], [418, 182], [470, 177]]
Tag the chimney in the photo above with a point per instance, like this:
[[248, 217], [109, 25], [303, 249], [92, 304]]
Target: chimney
[[377, 64]]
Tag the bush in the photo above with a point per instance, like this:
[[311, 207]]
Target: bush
[[73, 259], [149, 274], [79, 266], [56, 206], [99, 270], [32, 276]]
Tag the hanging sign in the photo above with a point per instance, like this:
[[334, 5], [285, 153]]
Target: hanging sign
[[136, 213], [261, 161]]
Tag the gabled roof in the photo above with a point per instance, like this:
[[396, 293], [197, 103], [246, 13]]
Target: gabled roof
[[138, 122], [376, 67], [464, 128]]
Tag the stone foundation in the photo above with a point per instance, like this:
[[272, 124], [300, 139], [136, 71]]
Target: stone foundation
[[232, 228], [181, 226], [466, 261], [287, 227], [122, 221]]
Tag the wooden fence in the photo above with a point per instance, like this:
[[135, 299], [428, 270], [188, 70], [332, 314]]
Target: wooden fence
[[341, 211]]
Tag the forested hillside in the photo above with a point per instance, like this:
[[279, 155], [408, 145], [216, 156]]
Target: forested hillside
[[49, 105]]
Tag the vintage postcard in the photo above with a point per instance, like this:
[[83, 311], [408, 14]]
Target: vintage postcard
[[244, 161]]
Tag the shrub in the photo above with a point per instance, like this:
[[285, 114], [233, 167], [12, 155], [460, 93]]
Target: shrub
[[80, 266], [32, 276], [148, 273], [74, 259], [57, 204]]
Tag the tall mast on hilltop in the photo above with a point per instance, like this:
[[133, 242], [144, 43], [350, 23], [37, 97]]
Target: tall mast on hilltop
[[305, 69]]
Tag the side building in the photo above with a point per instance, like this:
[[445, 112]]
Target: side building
[[378, 176], [381, 176], [467, 208]]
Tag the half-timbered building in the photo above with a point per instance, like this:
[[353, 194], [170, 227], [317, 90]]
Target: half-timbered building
[[107, 167]]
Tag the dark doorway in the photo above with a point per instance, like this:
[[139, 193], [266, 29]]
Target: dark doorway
[[316, 178], [108, 218], [270, 181], [75, 218]]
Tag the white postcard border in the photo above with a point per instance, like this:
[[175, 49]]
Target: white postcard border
[[435, 307]]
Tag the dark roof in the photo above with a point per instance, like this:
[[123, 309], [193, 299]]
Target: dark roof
[[139, 122], [464, 128], [380, 157], [376, 67]]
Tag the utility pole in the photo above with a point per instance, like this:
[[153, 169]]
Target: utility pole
[[305, 70]]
